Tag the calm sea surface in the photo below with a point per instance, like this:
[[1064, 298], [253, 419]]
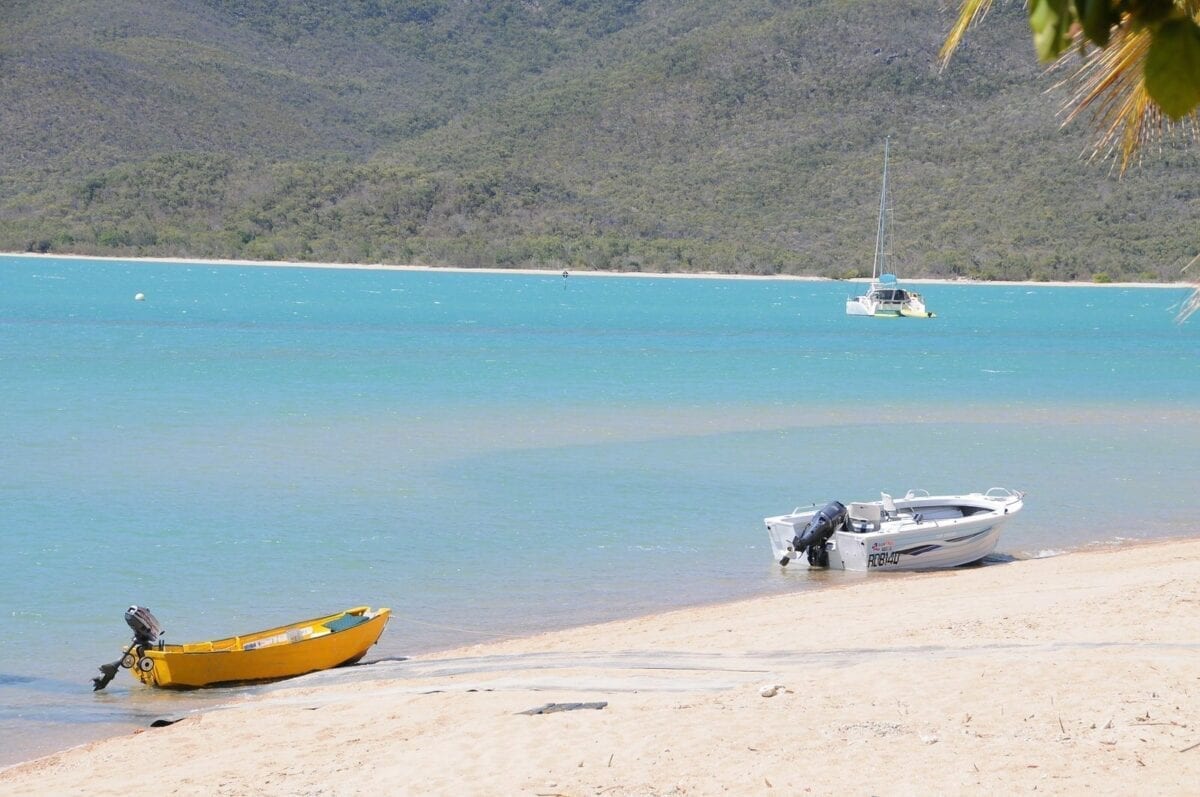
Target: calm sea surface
[[493, 454]]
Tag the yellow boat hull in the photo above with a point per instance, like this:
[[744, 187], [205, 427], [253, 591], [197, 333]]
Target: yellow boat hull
[[276, 653]]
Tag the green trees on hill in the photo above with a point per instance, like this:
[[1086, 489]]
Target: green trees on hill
[[611, 134]]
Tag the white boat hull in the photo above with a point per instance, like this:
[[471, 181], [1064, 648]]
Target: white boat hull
[[860, 305], [924, 532], [911, 305]]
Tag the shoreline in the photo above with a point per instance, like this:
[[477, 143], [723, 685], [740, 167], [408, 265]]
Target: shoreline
[[486, 639], [594, 273], [1065, 673]]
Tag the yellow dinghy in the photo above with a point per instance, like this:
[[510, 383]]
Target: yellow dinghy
[[276, 653]]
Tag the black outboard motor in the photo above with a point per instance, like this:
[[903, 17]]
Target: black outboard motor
[[819, 529], [146, 628], [147, 632]]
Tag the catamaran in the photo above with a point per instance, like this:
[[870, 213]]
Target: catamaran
[[885, 298]]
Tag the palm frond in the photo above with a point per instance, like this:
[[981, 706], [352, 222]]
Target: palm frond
[[1193, 302], [969, 13], [1109, 85]]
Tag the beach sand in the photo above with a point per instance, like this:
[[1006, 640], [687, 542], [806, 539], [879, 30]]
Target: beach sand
[[1067, 675], [555, 272]]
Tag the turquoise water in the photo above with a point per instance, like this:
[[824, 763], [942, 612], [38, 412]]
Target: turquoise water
[[495, 454]]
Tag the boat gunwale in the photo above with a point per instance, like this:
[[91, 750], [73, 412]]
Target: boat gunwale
[[999, 505], [236, 644]]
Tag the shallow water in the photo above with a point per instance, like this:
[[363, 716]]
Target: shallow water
[[495, 454]]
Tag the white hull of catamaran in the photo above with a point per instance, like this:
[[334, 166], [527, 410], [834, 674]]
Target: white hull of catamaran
[[862, 306]]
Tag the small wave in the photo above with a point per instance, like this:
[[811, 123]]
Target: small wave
[[1025, 556], [1112, 542], [641, 548]]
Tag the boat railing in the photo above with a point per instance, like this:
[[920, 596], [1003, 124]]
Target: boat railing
[[1002, 494]]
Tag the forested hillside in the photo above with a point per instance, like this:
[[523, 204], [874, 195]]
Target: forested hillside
[[684, 135]]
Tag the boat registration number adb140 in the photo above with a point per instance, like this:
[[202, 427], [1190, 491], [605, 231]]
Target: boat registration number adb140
[[881, 559]]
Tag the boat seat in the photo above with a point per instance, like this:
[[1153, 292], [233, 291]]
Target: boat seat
[[344, 622], [864, 516], [889, 506], [892, 512]]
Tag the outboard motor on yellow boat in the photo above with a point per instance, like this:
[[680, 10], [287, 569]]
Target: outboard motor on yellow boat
[[819, 529], [146, 627], [147, 632]]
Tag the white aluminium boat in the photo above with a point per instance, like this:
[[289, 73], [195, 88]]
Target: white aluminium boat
[[885, 298], [917, 532]]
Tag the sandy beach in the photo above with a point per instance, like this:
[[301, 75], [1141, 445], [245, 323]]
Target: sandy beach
[[593, 273], [1066, 675]]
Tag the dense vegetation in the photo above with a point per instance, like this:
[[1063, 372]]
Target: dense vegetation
[[667, 135]]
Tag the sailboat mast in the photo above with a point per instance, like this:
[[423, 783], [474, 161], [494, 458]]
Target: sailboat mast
[[881, 231]]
